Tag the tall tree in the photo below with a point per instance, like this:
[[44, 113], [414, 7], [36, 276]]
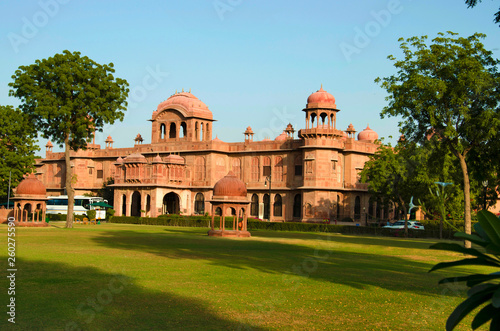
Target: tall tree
[[17, 147], [68, 97], [451, 89], [473, 3], [395, 174]]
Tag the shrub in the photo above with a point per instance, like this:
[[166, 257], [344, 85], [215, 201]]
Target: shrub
[[109, 214], [91, 214]]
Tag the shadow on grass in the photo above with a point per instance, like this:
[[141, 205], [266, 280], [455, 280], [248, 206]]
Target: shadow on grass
[[383, 241], [324, 261], [55, 296]]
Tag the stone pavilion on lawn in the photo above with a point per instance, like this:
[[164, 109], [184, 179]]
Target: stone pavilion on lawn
[[230, 197]]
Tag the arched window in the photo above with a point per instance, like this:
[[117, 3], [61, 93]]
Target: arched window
[[163, 129], [297, 206], [207, 132], [173, 131], [196, 132], [313, 119], [278, 169], [201, 132], [357, 207], [183, 131], [298, 165], [277, 206], [255, 169], [199, 168], [199, 204], [218, 211], [254, 206], [324, 118], [266, 169], [236, 167]]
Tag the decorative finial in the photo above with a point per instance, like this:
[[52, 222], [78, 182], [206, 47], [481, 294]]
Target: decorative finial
[[183, 89], [176, 91], [321, 86], [189, 90]]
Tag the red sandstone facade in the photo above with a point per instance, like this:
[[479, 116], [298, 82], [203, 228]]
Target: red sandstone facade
[[313, 177]]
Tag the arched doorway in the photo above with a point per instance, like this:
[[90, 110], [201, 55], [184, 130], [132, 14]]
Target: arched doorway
[[124, 205], [136, 204], [297, 206], [148, 205], [199, 204], [277, 207], [267, 206], [171, 203], [254, 206], [357, 207]]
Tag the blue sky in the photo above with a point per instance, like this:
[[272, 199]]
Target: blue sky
[[252, 62]]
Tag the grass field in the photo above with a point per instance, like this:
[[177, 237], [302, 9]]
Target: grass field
[[131, 277]]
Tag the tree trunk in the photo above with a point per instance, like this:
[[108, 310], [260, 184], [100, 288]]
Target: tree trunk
[[467, 218], [69, 185], [405, 211]]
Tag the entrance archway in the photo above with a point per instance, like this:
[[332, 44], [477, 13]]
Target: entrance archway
[[136, 204], [171, 203]]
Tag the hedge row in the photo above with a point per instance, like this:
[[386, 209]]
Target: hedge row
[[175, 220], [253, 224]]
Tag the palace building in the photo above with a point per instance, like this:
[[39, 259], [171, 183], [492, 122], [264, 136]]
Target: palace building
[[309, 176]]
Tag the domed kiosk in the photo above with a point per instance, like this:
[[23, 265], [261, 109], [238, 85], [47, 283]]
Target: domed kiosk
[[230, 194], [30, 200]]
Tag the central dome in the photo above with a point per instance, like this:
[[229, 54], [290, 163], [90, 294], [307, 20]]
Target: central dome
[[230, 186], [321, 99], [186, 103]]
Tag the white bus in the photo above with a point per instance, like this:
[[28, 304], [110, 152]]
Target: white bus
[[59, 204]]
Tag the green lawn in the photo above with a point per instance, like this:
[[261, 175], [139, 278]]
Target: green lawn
[[132, 277]]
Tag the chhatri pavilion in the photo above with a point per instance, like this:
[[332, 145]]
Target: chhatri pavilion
[[307, 176]]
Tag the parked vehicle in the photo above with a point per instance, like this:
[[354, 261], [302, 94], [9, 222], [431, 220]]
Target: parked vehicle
[[59, 204], [414, 225]]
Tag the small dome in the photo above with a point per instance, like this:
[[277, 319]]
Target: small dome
[[157, 158], [109, 140], [119, 160], [367, 135], [281, 137], [172, 158], [248, 130], [321, 99], [31, 186], [217, 140], [135, 158], [230, 186], [49, 144]]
